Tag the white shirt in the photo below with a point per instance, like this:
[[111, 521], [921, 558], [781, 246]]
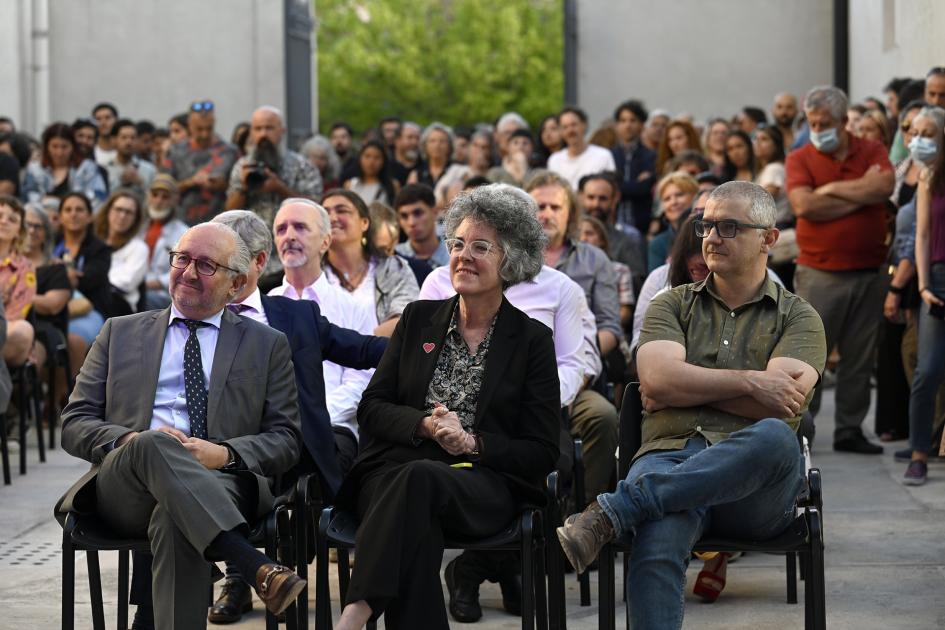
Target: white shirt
[[557, 302], [252, 307], [343, 386], [128, 269], [170, 398], [363, 293], [594, 160]]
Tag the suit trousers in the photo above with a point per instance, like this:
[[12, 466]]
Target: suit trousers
[[594, 421], [152, 486], [850, 303], [407, 510]]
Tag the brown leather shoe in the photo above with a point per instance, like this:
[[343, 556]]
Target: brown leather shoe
[[583, 535], [278, 586]]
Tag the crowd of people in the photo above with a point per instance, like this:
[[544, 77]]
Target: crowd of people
[[606, 237]]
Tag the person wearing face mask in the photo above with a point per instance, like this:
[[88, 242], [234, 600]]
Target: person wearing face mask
[[838, 186], [922, 134], [160, 231]]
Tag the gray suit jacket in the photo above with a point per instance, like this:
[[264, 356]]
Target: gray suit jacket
[[252, 400]]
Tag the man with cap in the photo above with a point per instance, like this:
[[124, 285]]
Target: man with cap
[[161, 230]]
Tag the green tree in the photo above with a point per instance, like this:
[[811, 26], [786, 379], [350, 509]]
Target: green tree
[[456, 61]]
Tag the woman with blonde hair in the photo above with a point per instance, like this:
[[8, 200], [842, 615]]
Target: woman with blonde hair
[[675, 193]]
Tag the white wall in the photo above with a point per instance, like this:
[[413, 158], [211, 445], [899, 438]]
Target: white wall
[[151, 58], [704, 57], [893, 38]]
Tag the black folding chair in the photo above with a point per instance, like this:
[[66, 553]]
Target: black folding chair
[[28, 394], [802, 539], [526, 534], [86, 532]]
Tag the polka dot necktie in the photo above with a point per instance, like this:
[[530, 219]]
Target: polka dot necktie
[[193, 381]]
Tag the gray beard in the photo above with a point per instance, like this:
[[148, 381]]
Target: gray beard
[[159, 214]]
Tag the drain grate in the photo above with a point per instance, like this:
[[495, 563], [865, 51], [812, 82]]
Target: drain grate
[[29, 554]]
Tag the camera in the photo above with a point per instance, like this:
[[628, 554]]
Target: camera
[[265, 156]]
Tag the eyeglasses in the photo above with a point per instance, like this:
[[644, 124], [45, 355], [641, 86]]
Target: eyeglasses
[[180, 260], [34, 226], [477, 249], [726, 228], [201, 106]]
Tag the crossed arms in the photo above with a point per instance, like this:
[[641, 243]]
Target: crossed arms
[[778, 391], [840, 198]]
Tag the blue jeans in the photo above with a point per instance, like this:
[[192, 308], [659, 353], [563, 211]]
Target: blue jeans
[[930, 369], [87, 326], [742, 487]]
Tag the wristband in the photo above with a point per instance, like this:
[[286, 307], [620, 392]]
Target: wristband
[[897, 290], [923, 290]]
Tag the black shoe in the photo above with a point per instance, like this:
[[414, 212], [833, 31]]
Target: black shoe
[[144, 618], [464, 595], [511, 585], [235, 600], [857, 444]]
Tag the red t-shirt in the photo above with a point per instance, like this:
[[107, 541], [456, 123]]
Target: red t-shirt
[[854, 241]]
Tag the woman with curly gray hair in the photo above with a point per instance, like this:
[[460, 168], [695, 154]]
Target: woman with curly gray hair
[[459, 425]]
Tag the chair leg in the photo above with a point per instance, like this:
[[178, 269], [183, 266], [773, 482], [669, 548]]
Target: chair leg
[[344, 575], [123, 589], [301, 556], [52, 403], [606, 587], [68, 583], [790, 571], [21, 407], [816, 574], [528, 573], [322, 590], [556, 605], [271, 550], [541, 599], [95, 590], [5, 453], [36, 397]]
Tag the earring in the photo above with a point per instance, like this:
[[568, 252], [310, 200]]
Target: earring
[[363, 241]]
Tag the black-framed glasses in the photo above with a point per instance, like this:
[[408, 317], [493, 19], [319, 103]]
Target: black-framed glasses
[[201, 106], [727, 228], [477, 249], [205, 267]]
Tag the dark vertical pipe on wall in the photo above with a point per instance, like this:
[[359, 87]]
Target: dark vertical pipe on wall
[[841, 44], [570, 52]]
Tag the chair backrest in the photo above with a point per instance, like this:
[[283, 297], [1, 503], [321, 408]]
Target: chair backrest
[[630, 426]]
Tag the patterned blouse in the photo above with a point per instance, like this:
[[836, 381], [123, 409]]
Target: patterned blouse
[[18, 284], [457, 377]]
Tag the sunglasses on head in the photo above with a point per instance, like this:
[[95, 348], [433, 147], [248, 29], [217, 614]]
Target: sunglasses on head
[[201, 106]]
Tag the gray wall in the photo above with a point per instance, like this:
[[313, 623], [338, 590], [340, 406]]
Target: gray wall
[[151, 58], [702, 57], [893, 38]]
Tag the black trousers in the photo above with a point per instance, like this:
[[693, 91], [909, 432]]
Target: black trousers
[[407, 511]]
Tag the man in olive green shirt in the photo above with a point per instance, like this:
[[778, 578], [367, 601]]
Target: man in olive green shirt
[[727, 366]]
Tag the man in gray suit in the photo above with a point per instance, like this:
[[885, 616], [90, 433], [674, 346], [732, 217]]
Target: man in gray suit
[[186, 414]]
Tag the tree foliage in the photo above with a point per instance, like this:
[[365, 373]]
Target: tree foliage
[[456, 61]]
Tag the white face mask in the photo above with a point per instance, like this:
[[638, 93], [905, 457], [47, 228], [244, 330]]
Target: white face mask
[[923, 149], [826, 141]]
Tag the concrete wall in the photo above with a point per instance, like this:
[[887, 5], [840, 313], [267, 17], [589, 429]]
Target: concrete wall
[[151, 58], [893, 38], [704, 57]]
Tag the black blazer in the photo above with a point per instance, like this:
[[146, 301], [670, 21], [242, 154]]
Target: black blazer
[[94, 261], [517, 414], [312, 339]]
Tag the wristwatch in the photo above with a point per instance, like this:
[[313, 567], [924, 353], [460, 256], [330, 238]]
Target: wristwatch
[[231, 461], [477, 447]]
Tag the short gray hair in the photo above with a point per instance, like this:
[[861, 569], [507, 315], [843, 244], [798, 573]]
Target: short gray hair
[[249, 227], [37, 207], [240, 259], [828, 97], [761, 207], [322, 144], [512, 213], [933, 113], [324, 219], [436, 126], [512, 117]]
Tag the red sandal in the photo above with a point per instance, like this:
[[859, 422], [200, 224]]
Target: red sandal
[[711, 580]]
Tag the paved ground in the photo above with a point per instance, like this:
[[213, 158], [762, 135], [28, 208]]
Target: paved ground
[[885, 555]]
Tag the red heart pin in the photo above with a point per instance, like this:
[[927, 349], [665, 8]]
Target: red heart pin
[[428, 347]]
